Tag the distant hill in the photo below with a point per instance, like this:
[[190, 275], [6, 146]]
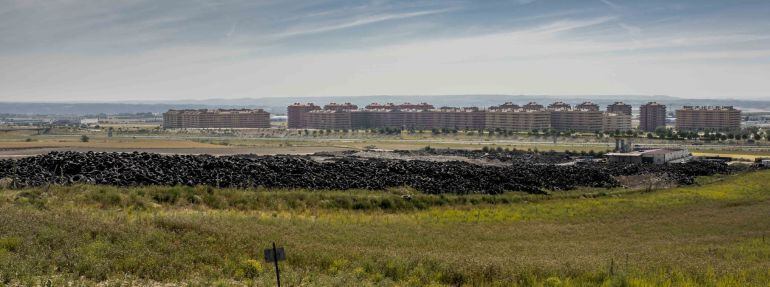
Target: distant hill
[[277, 105]]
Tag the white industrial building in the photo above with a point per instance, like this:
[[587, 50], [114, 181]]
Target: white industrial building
[[654, 156]]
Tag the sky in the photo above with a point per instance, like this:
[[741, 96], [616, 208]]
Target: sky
[[149, 50]]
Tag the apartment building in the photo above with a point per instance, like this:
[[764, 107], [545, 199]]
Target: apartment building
[[216, 119], [518, 119], [296, 114], [616, 122], [708, 118], [506, 106], [405, 106], [576, 120], [532, 106], [559, 106], [329, 119], [468, 118], [396, 118], [588, 106], [620, 108], [586, 119], [340, 107], [652, 116]]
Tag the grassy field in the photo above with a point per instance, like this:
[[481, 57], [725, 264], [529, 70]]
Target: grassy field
[[735, 154], [711, 234], [276, 141], [30, 142], [320, 144]]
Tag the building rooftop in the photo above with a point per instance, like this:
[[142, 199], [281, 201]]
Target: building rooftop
[[646, 152], [708, 108], [661, 151], [328, 111], [303, 105], [216, 111], [516, 110]]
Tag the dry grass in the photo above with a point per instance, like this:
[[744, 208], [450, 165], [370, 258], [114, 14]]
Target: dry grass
[[738, 155], [702, 235], [116, 143], [267, 146]]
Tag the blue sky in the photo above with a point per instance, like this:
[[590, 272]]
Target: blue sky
[[166, 50]]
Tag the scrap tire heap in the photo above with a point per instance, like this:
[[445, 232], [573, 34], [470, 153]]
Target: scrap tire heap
[[339, 173]]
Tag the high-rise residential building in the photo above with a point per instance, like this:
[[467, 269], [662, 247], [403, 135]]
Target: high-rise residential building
[[505, 106], [297, 114], [467, 118], [559, 106], [588, 106], [392, 118], [652, 116], [216, 119], [532, 106], [619, 108], [576, 120], [518, 119], [421, 106], [329, 119], [585, 119], [404, 106], [616, 122], [340, 107], [708, 118]]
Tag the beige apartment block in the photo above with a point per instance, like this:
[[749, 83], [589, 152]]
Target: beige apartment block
[[616, 122], [652, 116], [708, 118], [329, 120], [620, 108], [216, 119], [518, 119], [297, 114]]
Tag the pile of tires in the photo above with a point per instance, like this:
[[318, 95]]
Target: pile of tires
[[338, 173]]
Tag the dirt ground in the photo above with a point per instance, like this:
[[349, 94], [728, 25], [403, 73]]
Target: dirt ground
[[216, 151]]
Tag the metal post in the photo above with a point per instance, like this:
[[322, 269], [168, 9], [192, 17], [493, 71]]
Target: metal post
[[275, 262]]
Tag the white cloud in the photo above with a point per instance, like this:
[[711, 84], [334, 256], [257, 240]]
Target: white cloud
[[553, 58], [611, 4], [371, 19], [534, 61]]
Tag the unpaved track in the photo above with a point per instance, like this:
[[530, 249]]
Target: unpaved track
[[25, 152]]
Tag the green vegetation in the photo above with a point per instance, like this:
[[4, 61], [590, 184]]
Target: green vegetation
[[710, 234]]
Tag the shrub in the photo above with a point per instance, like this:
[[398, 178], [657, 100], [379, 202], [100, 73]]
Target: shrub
[[10, 243], [250, 268]]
